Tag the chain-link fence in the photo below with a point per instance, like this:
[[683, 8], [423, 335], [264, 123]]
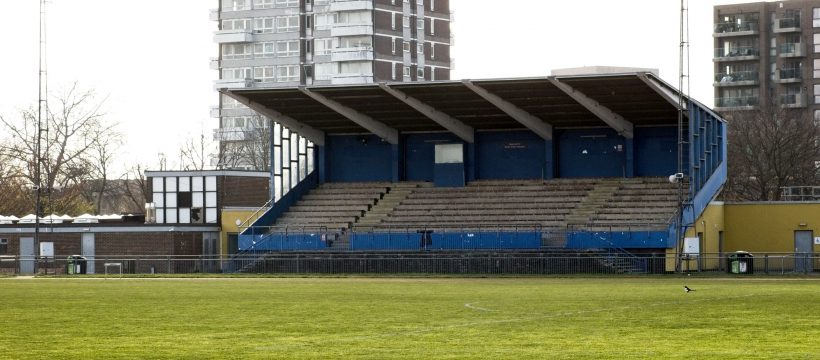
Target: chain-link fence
[[561, 262]]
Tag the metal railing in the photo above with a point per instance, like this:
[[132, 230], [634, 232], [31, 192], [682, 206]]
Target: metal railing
[[738, 51], [434, 262]]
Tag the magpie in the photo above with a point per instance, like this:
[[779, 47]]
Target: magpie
[[687, 289]]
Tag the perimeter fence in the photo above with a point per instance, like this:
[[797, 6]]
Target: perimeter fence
[[562, 262]]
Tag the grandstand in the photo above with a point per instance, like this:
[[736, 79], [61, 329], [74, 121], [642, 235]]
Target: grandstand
[[537, 164]]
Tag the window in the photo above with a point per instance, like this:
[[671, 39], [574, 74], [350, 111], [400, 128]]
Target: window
[[263, 50], [325, 71], [236, 24], [420, 73], [262, 4], [263, 74], [420, 48], [287, 23], [236, 51], [323, 21], [287, 48], [287, 73], [432, 26], [238, 5], [406, 21], [420, 24], [407, 46], [287, 3], [815, 17], [432, 5], [817, 43], [323, 46], [816, 94], [236, 74], [816, 68], [393, 21], [263, 25], [393, 71], [432, 50], [393, 45], [406, 72]]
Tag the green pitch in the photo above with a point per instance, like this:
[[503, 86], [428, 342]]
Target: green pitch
[[412, 318]]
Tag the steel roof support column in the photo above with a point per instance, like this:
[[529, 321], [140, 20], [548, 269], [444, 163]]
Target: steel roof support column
[[538, 126], [381, 130], [305, 131], [617, 122], [462, 130]]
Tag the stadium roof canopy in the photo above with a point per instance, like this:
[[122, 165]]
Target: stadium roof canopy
[[621, 101]]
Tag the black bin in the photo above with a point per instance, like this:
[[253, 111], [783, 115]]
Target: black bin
[[76, 264], [741, 262]]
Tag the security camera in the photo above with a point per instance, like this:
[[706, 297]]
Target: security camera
[[675, 178]]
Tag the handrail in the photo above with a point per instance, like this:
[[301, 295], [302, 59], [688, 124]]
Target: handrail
[[255, 216]]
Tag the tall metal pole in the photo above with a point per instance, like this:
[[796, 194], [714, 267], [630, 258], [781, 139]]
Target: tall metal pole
[[42, 107], [683, 79]]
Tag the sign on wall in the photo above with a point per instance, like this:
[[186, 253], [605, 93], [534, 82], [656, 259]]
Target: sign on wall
[[691, 246], [47, 249], [817, 240]]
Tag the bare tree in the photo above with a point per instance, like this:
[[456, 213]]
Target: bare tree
[[248, 147], [768, 149], [136, 188], [72, 127], [193, 154]]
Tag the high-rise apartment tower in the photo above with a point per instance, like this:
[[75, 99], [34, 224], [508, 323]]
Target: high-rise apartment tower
[[287, 43]]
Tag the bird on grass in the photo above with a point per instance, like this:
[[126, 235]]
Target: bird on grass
[[686, 289]]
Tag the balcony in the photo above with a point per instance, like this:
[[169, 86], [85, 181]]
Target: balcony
[[737, 78], [350, 5], [233, 36], [214, 64], [737, 53], [793, 100], [737, 28], [736, 103], [233, 83], [791, 50], [358, 53], [788, 76], [215, 111], [785, 25], [213, 14], [351, 79], [351, 29], [231, 134]]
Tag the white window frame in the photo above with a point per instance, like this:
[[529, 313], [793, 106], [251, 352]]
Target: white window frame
[[420, 48], [263, 4], [432, 26], [287, 23], [406, 71], [264, 25], [420, 24], [287, 3], [287, 73], [264, 74], [406, 46], [325, 49], [432, 50], [236, 24], [242, 73], [287, 48], [264, 49]]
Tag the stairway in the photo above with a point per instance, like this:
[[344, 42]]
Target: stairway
[[593, 202], [396, 193]]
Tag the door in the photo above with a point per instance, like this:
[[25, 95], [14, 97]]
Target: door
[[27, 255], [803, 251], [88, 252]]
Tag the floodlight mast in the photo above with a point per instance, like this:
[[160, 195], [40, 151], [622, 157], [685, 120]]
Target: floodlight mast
[[683, 87], [42, 107]]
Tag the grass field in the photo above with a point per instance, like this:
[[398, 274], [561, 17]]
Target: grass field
[[412, 318]]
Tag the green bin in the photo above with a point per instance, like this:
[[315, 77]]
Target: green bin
[[69, 265], [741, 262]]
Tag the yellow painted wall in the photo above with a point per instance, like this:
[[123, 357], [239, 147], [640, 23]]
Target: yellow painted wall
[[769, 227], [229, 217], [710, 224]]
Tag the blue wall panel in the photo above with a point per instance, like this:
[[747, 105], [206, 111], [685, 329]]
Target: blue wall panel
[[656, 151], [279, 242], [510, 155], [420, 154], [385, 241], [620, 239], [358, 158], [591, 153], [449, 175]]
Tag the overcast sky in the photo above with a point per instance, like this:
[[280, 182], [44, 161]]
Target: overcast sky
[[150, 58]]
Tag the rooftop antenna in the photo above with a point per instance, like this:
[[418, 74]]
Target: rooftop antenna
[[683, 87], [42, 110]]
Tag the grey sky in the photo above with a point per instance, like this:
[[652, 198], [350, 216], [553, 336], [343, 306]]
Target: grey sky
[[150, 58]]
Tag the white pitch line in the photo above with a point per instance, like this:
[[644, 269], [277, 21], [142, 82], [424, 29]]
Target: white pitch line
[[472, 306]]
